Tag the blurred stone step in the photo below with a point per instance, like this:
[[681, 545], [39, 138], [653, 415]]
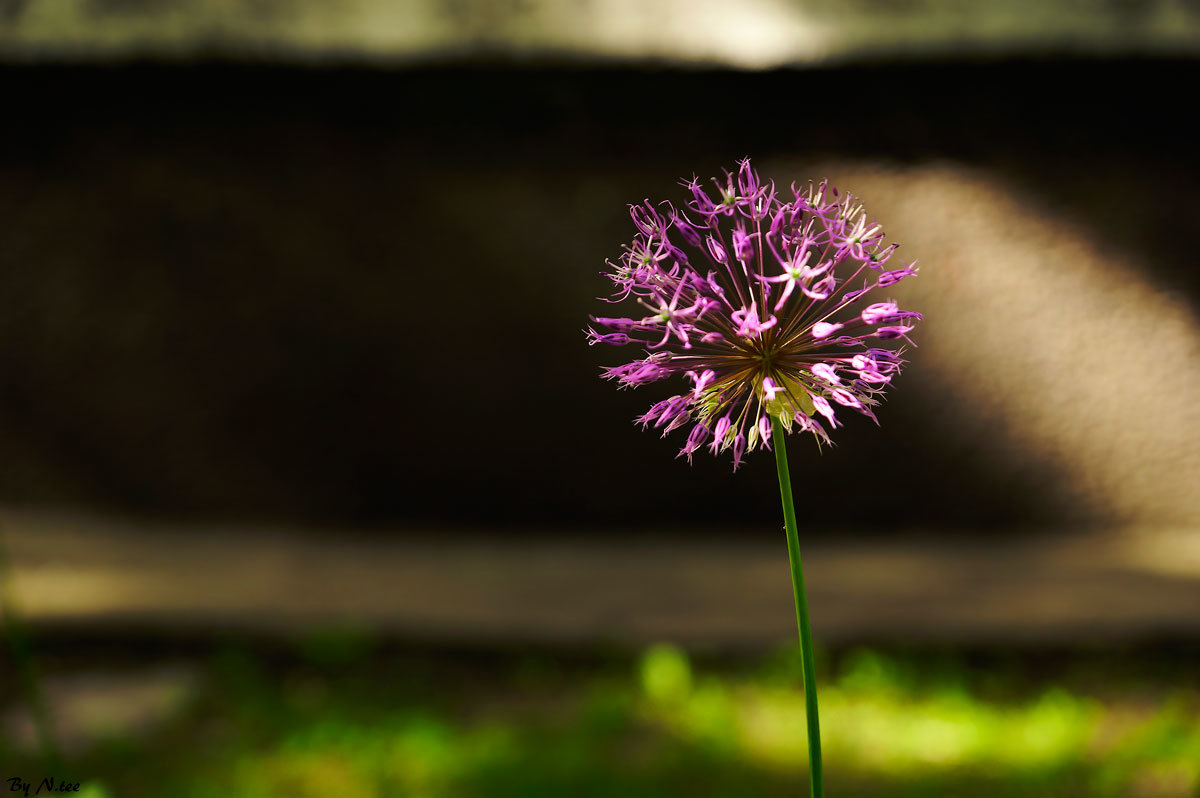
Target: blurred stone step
[[589, 588], [753, 34]]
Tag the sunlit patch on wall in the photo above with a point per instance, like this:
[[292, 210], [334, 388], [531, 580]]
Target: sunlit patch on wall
[[1043, 343]]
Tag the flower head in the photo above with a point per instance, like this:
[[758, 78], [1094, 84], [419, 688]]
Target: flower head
[[760, 305]]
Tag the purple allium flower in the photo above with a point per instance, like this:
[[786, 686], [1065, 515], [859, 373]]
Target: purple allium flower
[[759, 305]]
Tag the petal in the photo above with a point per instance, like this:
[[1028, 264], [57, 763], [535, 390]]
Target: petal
[[824, 329]]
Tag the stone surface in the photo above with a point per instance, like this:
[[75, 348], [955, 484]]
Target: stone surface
[[752, 34], [270, 293], [91, 707], [462, 586]]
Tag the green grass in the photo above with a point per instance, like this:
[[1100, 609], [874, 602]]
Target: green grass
[[334, 717]]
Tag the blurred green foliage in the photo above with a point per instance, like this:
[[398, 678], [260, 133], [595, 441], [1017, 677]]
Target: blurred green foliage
[[338, 716], [666, 674]]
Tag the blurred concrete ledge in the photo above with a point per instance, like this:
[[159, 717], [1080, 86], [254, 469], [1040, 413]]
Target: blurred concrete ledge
[[591, 589], [749, 34]]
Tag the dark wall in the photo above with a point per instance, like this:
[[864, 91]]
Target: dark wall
[[357, 295]]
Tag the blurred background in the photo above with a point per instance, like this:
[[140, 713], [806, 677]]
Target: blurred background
[[309, 485]]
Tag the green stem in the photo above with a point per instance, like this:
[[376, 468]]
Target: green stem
[[26, 669], [815, 771]]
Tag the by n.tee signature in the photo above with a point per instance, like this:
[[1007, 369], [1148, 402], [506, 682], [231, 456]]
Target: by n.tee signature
[[47, 786]]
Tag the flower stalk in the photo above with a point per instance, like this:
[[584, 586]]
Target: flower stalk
[[815, 769]]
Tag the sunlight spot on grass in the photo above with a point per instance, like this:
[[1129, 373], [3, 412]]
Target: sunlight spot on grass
[[666, 674]]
